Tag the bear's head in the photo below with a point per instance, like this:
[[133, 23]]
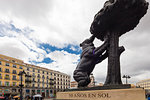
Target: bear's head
[[88, 42]]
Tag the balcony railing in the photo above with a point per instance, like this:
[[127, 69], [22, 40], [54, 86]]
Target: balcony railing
[[14, 79], [51, 79], [51, 83], [33, 76], [14, 72], [7, 78], [7, 72], [28, 81]]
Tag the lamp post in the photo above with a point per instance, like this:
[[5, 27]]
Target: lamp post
[[21, 85], [127, 77]]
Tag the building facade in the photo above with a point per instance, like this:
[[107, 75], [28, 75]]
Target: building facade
[[44, 81], [9, 78], [74, 84], [92, 83], [144, 83], [36, 80]]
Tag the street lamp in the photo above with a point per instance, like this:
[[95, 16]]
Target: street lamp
[[21, 85], [127, 77]]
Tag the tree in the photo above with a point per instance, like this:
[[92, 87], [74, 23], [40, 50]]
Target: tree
[[115, 19]]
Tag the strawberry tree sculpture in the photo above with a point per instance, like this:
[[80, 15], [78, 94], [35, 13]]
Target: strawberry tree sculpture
[[115, 19]]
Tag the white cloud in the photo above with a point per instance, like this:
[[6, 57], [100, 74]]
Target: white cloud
[[12, 47], [62, 61], [16, 44], [55, 22], [15, 48]]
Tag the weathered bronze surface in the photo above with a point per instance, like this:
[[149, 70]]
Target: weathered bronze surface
[[115, 19]]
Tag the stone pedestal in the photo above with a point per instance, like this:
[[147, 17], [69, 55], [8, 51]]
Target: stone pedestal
[[110, 94]]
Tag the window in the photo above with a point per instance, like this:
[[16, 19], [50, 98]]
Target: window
[[51, 91], [43, 77], [47, 73], [33, 79], [0, 69], [7, 64], [38, 85], [6, 83], [14, 66], [0, 62], [14, 72], [20, 67], [43, 72], [14, 77], [14, 90], [33, 74], [38, 80], [28, 68], [47, 77], [14, 84], [0, 76], [6, 70], [47, 86], [7, 77], [0, 83], [13, 60], [38, 91], [33, 85], [38, 71], [27, 91], [33, 70], [38, 76]]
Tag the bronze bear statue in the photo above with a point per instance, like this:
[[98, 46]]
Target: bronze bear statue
[[89, 58]]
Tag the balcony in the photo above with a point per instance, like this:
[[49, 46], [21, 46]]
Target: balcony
[[27, 75], [7, 78], [51, 83], [7, 72], [33, 76], [14, 79], [14, 73], [38, 76], [28, 86], [51, 79], [34, 81], [27, 81]]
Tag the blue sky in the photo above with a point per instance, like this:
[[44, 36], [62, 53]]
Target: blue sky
[[47, 33], [48, 48]]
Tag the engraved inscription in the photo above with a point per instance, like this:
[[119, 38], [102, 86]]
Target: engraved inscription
[[89, 95]]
